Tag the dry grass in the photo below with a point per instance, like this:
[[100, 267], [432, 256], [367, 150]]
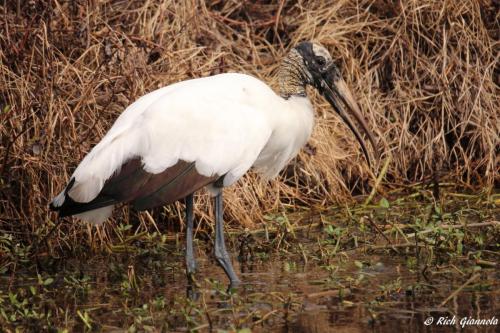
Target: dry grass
[[425, 74]]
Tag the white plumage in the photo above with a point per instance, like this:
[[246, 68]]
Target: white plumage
[[205, 132], [225, 124]]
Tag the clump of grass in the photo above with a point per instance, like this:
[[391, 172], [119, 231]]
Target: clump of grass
[[425, 73]]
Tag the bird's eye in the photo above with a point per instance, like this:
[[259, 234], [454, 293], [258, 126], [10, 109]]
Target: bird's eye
[[321, 61]]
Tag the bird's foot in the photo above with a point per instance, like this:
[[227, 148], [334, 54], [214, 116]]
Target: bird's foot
[[233, 286], [192, 292], [191, 267], [191, 277]]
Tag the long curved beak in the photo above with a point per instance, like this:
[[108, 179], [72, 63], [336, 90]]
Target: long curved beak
[[336, 92]]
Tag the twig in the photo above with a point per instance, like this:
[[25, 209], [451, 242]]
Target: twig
[[379, 180], [392, 246], [330, 293], [456, 226], [455, 293], [380, 232], [486, 263], [152, 220], [278, 14], [264, 317]]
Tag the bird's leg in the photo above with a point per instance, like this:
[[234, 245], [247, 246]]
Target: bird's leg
[[220, 247], [190, 262]]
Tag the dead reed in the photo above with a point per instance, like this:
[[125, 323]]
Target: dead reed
[[425, 74]]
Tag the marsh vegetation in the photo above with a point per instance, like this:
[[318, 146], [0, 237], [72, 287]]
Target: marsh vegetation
[[330, 245], [356, 268]]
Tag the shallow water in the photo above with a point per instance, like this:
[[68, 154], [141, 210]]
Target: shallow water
[[313, 279], [280, 293]]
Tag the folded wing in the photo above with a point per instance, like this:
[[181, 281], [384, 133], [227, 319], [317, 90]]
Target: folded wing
[[169, 144]]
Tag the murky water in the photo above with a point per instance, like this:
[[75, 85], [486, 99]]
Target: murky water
[[311, 280], [356, 292]]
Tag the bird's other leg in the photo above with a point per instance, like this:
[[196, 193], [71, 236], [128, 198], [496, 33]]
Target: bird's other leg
[[190, 262], [220, 247]]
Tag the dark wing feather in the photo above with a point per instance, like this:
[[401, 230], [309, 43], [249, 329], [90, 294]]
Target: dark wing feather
[[143, 189], [186, 181]]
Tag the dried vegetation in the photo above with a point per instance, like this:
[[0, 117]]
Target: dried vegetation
[[425, 74]]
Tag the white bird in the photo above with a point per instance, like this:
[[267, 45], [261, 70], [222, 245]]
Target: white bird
[[206, 132]]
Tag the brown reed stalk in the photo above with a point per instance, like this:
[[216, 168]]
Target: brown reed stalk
[[425, 73]]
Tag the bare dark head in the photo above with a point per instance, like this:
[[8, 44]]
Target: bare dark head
[[311, 64]]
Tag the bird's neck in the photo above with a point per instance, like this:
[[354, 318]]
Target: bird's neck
[[290, 76]]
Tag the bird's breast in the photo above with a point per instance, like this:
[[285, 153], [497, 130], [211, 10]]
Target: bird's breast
[[292, 129]]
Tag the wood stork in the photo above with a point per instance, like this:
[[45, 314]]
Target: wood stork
[[206, 132]]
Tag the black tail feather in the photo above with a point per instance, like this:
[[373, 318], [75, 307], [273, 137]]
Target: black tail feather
[[71, 207]]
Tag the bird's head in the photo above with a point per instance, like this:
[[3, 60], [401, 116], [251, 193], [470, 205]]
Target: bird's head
[[311, 64]]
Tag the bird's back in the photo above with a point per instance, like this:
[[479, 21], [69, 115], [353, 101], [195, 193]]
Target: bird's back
[[218, 124]]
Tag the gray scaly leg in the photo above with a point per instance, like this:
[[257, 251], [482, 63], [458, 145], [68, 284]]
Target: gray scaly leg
[[220, 247], [190, 262]]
